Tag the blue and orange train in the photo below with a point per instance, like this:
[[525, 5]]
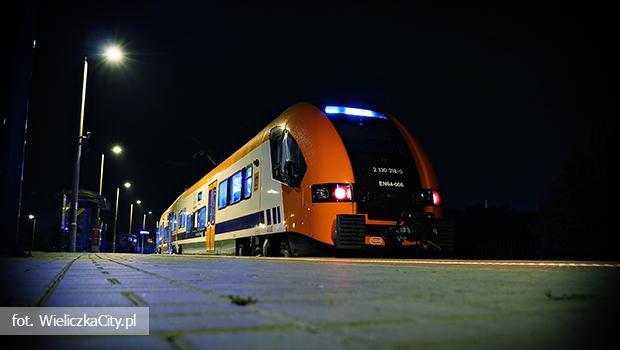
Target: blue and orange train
[[317, 178]]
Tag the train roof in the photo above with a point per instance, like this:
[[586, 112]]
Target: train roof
[[298, 115], [296, 111]]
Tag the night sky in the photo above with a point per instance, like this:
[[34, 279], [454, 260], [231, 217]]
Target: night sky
[[499, 95]]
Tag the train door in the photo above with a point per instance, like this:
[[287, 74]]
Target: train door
[[210, 232], [169, 231]]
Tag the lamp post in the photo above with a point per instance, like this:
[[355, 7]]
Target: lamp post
[[112, 54], [116, 150], [138, 202], [144, 228], [130, 217], [126, 185], [34, 226]]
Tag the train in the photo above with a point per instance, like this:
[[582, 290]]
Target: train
[[319, 178]]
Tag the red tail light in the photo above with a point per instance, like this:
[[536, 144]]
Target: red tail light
[[429, 197], [342, 192], [436, 198], [332, 193]]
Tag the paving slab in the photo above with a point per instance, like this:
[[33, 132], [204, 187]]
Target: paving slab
[[200, 302]]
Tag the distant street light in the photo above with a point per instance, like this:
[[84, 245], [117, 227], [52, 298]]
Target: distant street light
[[141, 235], [116, 150], [130, 217], [34, 225], [112, 54], [118, 191], [138, 202]]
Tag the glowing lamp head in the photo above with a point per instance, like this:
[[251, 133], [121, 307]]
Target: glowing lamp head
[[117, 149], [113, 54], [138, 202], [127, 184], [30, 216]]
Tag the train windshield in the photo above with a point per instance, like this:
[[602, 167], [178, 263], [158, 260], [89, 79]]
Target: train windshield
[[386, 176], [370, 136]]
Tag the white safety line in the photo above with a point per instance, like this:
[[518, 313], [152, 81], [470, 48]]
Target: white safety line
[[437, 262]]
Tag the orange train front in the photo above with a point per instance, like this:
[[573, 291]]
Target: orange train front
[[315, 179]]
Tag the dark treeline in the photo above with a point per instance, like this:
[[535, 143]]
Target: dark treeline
[[574, 220]]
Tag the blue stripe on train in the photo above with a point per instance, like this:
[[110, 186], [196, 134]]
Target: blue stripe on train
[[242, 223]]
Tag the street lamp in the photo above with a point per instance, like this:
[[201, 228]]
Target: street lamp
[[144, 228], [118, 190], [112, 54], [116, 150], [138, 202], [34, 225]]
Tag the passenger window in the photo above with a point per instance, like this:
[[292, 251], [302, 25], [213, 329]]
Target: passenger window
[[181, 219], [223, 197], [236, 186], [288, 163], [202, 215], [247, 182]]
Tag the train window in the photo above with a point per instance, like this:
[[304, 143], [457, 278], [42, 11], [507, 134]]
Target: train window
[[181, 219], [235, 186], [247, 182], [223, 198], [372, 136], [202, 216], [287, 161]]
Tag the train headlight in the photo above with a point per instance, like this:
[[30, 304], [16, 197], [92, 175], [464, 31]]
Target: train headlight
[[320, 194], [333, 192]]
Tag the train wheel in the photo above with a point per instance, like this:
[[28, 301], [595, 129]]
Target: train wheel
[[285, 247], [242, 247]]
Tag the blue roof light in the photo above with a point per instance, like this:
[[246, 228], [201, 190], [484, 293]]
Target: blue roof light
[[358, 112]]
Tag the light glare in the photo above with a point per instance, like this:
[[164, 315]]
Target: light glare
[[113, 54], [358, 112], [117, 149]]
